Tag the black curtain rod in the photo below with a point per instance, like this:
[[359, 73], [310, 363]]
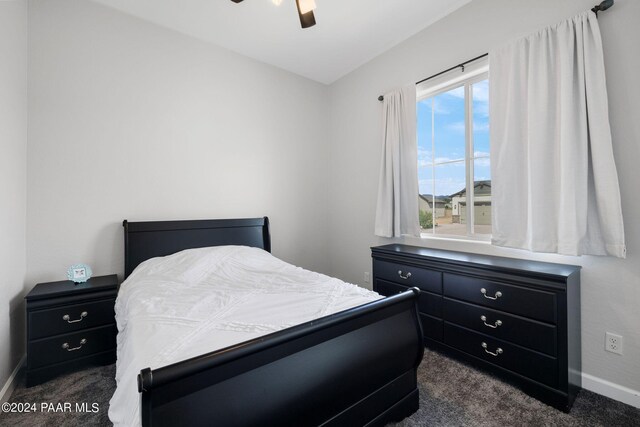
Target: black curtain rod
[[606, 4], [453, 68], [381, 98]]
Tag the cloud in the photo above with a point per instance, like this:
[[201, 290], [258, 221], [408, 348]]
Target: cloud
[[460, 161], [481, 109], [440, 108], [438, 105], [478, 126], [482, 162], [424, 157], [456, 93], [480, 97], [481, 158], [457, 127], [481, 91]]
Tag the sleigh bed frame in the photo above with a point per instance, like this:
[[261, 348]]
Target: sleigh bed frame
[[353, 368]]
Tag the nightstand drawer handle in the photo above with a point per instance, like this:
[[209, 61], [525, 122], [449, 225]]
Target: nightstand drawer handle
[[406, 276], [82, 316], [484, 294], [496, 354], [494, 326], [65, 346]]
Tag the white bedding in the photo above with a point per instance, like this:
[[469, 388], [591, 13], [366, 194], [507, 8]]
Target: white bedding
[[200, 300]]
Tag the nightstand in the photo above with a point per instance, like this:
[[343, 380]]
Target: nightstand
[[70, 327]]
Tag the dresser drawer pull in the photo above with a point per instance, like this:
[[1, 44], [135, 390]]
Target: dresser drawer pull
[[484, 294], [65, 346], [494, 326], [496, 354], [82, 316], [405, 276]]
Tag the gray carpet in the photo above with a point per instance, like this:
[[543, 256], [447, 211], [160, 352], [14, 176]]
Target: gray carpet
[[451, 394], [94, 385]]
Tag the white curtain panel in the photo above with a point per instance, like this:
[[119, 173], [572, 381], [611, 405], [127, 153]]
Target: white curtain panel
[[397, 208], [554, 179]]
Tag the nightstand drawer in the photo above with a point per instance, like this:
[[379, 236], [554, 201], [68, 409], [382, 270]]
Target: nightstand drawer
[[70, 346], [533, 303], [428, 280], [70, 318]]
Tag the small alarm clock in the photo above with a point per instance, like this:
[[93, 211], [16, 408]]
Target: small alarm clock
[[79, 273]]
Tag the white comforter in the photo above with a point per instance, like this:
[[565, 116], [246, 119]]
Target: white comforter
[[200, 300]]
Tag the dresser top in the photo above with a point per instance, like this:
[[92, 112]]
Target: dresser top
[[67, 287], [453, 257]]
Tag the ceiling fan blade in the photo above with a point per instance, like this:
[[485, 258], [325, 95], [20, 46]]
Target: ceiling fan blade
[[306, 19]]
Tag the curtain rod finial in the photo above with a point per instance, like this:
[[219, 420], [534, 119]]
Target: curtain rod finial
[[381, 98], [606, 4]]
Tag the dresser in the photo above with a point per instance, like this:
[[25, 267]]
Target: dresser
[[70, 326], [517, 319]]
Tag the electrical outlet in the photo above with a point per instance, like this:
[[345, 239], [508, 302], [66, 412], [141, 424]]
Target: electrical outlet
[[613, 343], [366, 277]]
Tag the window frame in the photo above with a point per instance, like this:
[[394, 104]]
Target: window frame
[[466, 78]]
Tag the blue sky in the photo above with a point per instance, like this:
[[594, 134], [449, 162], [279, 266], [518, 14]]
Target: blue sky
[[449, 139]]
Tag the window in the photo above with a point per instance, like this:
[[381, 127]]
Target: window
[[453, 154]]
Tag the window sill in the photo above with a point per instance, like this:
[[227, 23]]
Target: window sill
[[466, 239]]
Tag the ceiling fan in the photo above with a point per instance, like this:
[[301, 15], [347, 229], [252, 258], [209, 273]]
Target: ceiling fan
[[305, 11]]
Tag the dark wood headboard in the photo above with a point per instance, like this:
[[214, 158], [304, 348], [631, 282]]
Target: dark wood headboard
[[145, 240]]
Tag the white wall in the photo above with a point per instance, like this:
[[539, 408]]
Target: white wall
[[13, 170], [131, 120], [610, 287]]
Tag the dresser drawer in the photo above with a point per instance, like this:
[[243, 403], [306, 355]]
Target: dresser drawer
[[536, 366], [519, 330], [431, 327], [53, 350], [428, 303], [515, 299], [422, 278], [70, 318]]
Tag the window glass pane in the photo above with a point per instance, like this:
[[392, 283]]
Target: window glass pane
[[480, 109], [481, 165], [449, 125], [482, 196], [444, 152], [424, 133], [449, 181], [425, 186]]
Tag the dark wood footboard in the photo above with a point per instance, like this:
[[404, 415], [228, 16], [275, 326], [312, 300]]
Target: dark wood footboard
[[353, 368]]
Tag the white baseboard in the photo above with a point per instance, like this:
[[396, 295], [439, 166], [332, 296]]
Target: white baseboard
[[11, 383], [611, 390]]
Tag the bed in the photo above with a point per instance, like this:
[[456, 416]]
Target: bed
[[353, 362]]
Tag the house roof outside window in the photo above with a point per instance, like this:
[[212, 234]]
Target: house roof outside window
[[480, 188]]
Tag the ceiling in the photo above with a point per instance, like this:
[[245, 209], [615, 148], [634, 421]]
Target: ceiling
[[349, 33]]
